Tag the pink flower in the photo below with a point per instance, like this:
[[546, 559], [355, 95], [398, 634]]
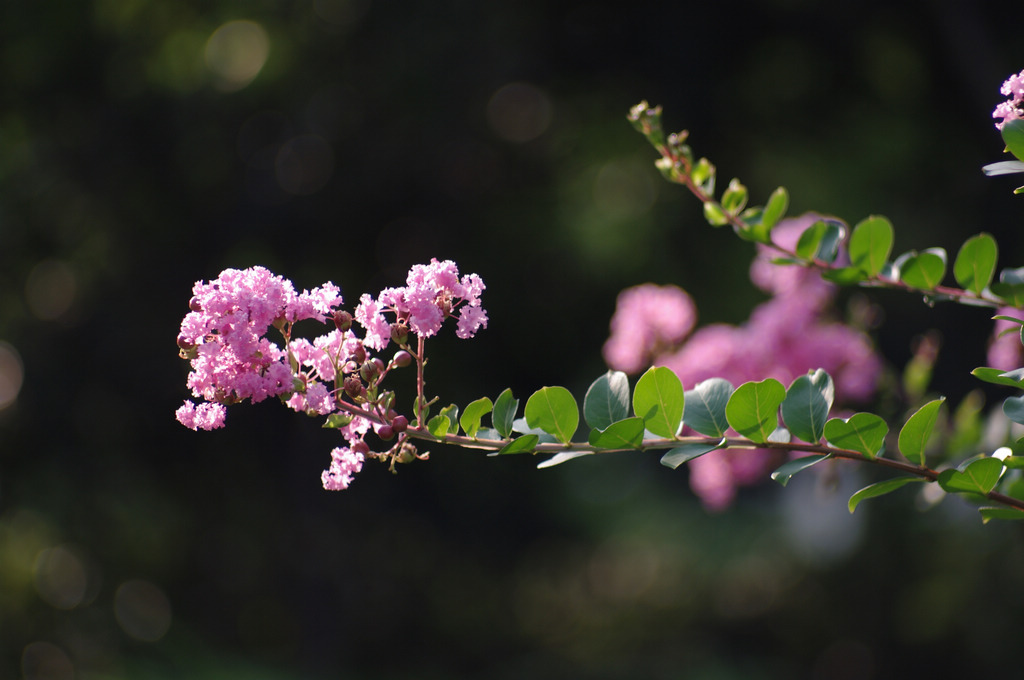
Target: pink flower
[[1013, 108], [470, 320], [1005, 350], [206, 416], [345, 463], [648, 319], [378, 330]]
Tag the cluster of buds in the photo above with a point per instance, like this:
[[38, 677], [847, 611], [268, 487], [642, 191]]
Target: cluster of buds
[[334, 375]]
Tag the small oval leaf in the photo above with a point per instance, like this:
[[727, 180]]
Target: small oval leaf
[[525, 444], [786, 471], [607, 400], [806, 406], [470, 420], [705, 406], [871, 244], [753, 409], [658, 398], [687, 452], [504, 414], [880, 489], [861, 432], [914, 436], [625, 434], [554, 410]]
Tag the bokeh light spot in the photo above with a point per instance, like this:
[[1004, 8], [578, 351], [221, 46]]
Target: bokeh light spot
[[11, 374], [142, 610], [236, 52], [304, 165], [45, 661], [60, 577], [519, 112], [50, 289]]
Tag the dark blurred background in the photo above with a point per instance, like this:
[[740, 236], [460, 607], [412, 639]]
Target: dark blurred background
[[145, 144]]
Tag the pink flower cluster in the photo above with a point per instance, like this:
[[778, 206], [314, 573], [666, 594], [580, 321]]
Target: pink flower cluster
[[648, 321], [1005, 350], [785, 337], [345, 463], [432, 293], [1013, 108], [224, 338]]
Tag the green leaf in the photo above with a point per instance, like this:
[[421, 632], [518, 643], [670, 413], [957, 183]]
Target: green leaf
[[734, 198], [924, 270], [786, 471], [438, 426], [714, 214], [705, 406], [687, 452], [476, 410], [336, 420], [861, 432], [821, 241], [504, 414], [806, 406], [996, 376], [880, 489], [625, 434], [1000, 513], [979, 476], [1014, 462], [524, 444], [914, 436], [975, 264], [871, 244], [553, 410], [451, 412], [1013, 136], [658, 398], [607, 400], [563, 457], [1011, 293], [753, 409], [844, 276], [1013, 407], [778, 202]]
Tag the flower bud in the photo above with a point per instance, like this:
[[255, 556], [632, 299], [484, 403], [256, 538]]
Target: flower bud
[[399, 332], [195, 305], [361, 447], [401, 359], [399, 424], [342, 320], [185, 343], [386, 432], [369, 371], [359, 353], [354, 387]]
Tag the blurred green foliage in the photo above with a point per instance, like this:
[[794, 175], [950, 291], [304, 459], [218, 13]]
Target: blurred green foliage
[[145, 144]]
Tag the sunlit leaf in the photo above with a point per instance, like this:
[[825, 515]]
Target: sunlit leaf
[[880, 489], [871, 244], [861, 432], [658, 398], [979, 476], [924, 270], [1013, 137], [996, 376], [438, 426], [476, 410], [525, 444], [988, 513], [914, 436], [625, 434], [554, 410], [775, 209], [753, 409]]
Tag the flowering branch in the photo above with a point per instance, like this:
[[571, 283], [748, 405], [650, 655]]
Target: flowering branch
[[337, 377]]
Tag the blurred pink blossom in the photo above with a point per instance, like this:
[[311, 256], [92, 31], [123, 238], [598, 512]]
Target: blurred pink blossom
[[648, 319]]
